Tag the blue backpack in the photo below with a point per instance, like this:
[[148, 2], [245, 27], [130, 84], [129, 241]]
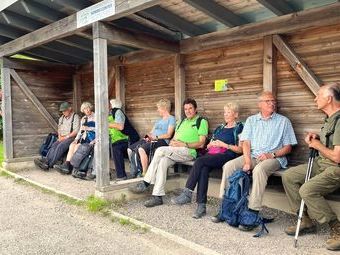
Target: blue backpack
[[49, 140], [234, 209]]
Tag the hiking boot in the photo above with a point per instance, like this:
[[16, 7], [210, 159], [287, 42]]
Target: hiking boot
[[216, 218], [41, 163], [139, 188], [333, 242], [200, 211], [90, 177], [74, 171], [246, 228], [64, 168], [306, 226], [154, 201], [183, 198]]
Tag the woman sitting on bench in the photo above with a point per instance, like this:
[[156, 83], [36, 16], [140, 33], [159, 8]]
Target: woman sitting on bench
[[222, 147]]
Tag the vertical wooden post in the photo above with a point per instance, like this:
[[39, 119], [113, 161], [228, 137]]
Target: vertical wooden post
[[76, 93], [7, 112], [120, 84], [269, 65], [101, 108], [179, 86]]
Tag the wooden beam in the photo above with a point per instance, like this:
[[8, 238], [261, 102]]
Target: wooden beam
[[179, 86], [173, 21], [76, 82], [269, 65], [217, 12], [68, 26], [277, 7], [25, 89], [120, 84], [137, 40], [7, 113], [111, 80], [307, 75], [34, 65], [101, 151], [317, 17]]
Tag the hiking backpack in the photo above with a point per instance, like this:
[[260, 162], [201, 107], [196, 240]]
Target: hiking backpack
[[49, 140], [234, 209], [82, 157], [136, 168]]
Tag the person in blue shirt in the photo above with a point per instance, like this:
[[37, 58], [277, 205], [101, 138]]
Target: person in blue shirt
[[160, 134], [222, 147], [266, 139]]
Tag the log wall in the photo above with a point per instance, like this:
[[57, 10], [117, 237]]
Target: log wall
[[29, 127]]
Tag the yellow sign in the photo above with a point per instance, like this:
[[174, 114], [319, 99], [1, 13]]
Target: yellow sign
[[221, 85]]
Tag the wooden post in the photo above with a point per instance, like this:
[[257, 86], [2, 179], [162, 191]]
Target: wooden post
[[7, 113], [179, 86], [269, 65], [120, 84], [101, 108], [76, 93]]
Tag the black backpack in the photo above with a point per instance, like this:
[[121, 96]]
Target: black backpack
[[135, 162], [49, 140], [128, 130]]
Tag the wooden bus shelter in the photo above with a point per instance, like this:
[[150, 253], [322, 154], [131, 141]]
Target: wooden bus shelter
[[148, 49]]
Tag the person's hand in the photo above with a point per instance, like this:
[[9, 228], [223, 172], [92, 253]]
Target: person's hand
[[246, 167], [314, 143], [310, 136], [265, 156]]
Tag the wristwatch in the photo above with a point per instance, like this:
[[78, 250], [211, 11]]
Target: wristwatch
[[273, 154]]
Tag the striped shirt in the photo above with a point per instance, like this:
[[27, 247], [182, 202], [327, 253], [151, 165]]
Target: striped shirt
[[267, 136]]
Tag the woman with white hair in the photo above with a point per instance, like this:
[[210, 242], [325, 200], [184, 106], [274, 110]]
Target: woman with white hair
[[86, 134], [160, 135], [222, 147], [121, 132]]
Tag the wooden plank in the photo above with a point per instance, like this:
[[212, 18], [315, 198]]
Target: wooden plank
[[34, 99], [217, 12], [68, 26], [119, 36], [179, 85], [120, 84], [317, 17], [102, 111], [34, 65], [269, 65], [76, 82], [307, 75], [277, 7], [112, 80], [7, 113]]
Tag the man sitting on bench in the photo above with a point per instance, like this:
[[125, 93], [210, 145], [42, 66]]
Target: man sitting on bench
[[190, 135]]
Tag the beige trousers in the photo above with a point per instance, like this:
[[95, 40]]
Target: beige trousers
[[261, 171], [164, 158]]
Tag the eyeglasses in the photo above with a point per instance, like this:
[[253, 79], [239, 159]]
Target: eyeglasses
[[269, 101]]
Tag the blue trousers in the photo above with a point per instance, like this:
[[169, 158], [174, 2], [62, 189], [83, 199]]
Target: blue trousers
[[199, 174]]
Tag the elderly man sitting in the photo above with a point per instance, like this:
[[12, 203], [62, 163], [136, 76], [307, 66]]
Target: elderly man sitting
[[68, 127], [188, 137]]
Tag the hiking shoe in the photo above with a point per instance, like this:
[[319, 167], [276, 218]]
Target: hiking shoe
[[90, 177], [246, 228], [41, 163], [139, 188], [74, 171], [306, 226], [154, 201], [183, 198], [333, 242], [63, 169], [200, 211], [216, 218]]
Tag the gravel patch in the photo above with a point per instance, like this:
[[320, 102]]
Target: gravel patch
[[32, 222], [223, 238]]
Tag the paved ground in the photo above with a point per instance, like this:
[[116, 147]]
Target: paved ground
[[177, 220], [32, 222]]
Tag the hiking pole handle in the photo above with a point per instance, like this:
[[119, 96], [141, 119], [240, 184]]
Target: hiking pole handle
[[312, 153]]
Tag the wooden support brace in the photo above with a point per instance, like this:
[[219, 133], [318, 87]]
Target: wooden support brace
[[269, 65], [22, 85], [179, 86], [306, 74]]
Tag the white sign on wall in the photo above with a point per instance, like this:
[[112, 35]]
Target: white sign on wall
[[96, 12]]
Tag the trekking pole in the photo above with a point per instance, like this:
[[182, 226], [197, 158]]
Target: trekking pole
[[312, 155]]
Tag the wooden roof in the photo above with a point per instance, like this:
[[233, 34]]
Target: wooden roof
[[159, 22]]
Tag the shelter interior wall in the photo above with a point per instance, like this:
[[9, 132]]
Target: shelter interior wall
[[29, 126]]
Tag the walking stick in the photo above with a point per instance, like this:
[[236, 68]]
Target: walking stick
[[312, 155]]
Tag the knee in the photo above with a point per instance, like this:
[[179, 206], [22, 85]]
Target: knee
[[228, 168], [305, 191], [199, 163]]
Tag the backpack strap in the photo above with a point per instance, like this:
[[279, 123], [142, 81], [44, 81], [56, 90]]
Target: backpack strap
[[331, 132], [71, 130]]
